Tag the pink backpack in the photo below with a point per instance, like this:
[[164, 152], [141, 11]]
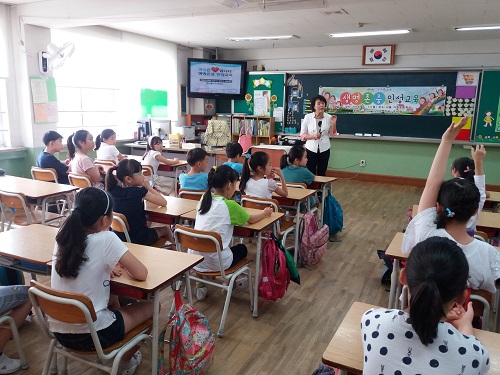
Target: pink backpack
[[313, 241], [275, 277]]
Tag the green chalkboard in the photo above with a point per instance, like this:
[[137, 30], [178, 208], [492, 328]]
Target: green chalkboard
[[275, 82], [487, 119], [301, 87]]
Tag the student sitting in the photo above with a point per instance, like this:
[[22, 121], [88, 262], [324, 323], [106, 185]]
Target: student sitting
[[197, 158], [79, 144], [129, 188], [257, 178], [473, 171], [434, 334], [294, 166], [457, 201], [14, 300], [105, 146], [46, 159], [153, 157], [219, 213], [85, 257], [233, 153]]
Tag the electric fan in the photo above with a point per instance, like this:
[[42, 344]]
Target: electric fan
[[54, 57]]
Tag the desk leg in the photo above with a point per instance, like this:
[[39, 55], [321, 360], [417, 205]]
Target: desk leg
[[394, 283], [155, 332], [255, 312], [322, 215], [177, 173], [497, 307], [296, 237], [44, 204]]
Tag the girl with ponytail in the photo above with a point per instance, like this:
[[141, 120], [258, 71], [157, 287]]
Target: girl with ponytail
[[85, 257], [444, 209], [434, 334], [79, 145], [294, 166], [105, 146]]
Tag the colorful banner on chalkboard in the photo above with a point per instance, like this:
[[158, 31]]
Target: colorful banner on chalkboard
[[421, 101]]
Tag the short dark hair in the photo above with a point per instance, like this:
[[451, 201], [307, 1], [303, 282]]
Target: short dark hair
[[50, 136], [233, 149], [317, 97], [195, 155]]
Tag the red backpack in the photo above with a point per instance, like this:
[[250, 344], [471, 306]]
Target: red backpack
[[275, 277], [313, 241]]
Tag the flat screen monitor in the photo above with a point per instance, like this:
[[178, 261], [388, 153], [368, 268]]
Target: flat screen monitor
[[213, 79]]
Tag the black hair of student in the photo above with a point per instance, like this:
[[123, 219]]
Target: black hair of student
[[217, 179], [436, 273], [465, 168], [258, 159], [154, 140], [50, 136], [105, 134], [296, 152], [126, 167], [233, 149], [74, 141], [195, 155], [459, 198], [317, 97], [90, 205]]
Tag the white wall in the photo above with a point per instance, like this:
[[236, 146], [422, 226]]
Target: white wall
[[471, 53]]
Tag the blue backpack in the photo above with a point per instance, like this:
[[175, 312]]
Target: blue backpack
[[333, 216]]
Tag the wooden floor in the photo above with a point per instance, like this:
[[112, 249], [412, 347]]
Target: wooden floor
[[290, 335]]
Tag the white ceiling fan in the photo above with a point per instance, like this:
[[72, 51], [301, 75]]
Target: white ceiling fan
[[54, 57]]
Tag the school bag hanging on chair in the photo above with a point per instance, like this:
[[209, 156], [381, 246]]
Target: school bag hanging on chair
[[191, 341], [313, 240], [275, 277], [333, 215]]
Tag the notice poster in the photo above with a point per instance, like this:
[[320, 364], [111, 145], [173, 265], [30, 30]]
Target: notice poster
[[44, 97], [262, 103], [420, 101]]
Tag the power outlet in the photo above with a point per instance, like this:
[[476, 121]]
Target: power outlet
[[362, 163]]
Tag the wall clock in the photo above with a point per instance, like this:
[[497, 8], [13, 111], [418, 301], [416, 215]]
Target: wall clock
[[379, 54]]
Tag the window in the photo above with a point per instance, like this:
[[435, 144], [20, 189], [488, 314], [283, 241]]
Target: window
[[4, 118]]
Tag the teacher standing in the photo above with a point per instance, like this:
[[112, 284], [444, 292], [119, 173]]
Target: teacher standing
[[316, 130]]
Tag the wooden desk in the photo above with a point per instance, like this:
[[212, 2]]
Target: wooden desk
[[258, 228], [494, 197], [345, 351], [323, 181], [35, 189], [174, 209]]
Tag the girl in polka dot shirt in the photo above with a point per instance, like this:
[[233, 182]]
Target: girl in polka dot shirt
[[434, 334]]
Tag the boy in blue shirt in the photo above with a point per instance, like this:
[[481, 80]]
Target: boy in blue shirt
[[233, 153], [197, 158], [46, 159]]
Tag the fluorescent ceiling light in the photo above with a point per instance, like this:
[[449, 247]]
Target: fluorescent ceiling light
[[252, 38], [474, 28], [369, 33]]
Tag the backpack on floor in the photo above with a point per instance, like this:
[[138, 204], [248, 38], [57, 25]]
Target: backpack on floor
[[333, 215], [191, 340], [275, 277], [312, 240]]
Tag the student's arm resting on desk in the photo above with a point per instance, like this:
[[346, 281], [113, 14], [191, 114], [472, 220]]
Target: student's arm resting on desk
[[266, 212], [439, 165], [153, 195], [164, 160], [134, 266]]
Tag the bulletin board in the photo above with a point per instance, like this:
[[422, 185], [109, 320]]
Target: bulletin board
[[409, 104], [487, 120], [44, 99], [257, 83]]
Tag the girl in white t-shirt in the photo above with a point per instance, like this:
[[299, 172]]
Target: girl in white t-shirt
[[105, 146], [444, 209], [79, 144], [257, 177], [153, 157], [85, 258], [434, 334], [472, 170]]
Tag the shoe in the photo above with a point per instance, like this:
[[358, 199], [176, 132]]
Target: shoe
[[201, 292], [9, 365], [131, 364]]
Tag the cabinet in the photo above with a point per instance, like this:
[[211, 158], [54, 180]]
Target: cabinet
[[261, 128]]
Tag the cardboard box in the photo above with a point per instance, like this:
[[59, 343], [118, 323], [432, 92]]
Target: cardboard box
[[174, 140]]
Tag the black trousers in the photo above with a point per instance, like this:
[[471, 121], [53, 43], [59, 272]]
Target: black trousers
[[318, 162]]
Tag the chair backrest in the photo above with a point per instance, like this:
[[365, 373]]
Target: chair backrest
[[147, 170], [482, 236], [298, 185], [198, 240], [80, 180], [194, 195], [110, 163], [259, 203], [44, 174], [16, 201], [120, 224]]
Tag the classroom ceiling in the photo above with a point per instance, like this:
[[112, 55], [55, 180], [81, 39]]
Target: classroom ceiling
[[207, 23]]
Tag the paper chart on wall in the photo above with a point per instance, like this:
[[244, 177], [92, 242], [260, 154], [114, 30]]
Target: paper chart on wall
[[44, 96]]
